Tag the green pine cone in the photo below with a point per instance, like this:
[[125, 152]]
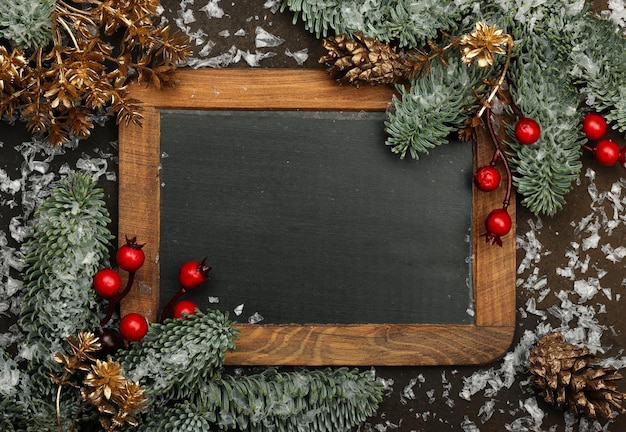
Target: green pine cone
[[176, 357], [26, 22]]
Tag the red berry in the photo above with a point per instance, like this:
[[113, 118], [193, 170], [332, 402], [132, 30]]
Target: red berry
[[107, 282], [607, 152], [527, 131], [184, 307], [622, 158], [130, 257], [193, 273], [594, 126], [110, 341], [487, 178], [498, 222], [133, 327]]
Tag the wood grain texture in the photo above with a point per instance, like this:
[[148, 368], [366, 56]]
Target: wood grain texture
[[311, 344], [262, 89], [139, 200], [494, 266]]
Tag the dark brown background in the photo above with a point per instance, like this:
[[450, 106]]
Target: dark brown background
[[429, 399]]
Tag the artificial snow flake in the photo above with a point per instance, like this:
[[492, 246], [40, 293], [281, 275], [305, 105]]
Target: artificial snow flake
[[299, 56], [255, 318], [586, 289], [212, 9], [617, 12], [219, 61], [486, 410], [206, 49], [591, 242], [272, 5], [9, 376], [254, 59], [614, 254], [187, 16], [469, 426], [265, 39], [238, 309], [7, 185]]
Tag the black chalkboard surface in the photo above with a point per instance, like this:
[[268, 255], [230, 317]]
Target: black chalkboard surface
[[351, 256], [306, 217]]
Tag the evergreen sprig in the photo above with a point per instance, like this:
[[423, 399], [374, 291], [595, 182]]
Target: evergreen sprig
[[431, 109], [407, 22], [328, 400], [547, 33], [178, 364], [543, 173], [175, 357], [10, 412], [10, 406], [26, 22], [68, 243], [600, 72]]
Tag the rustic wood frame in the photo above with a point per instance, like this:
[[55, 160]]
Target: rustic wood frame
[[311, 344]]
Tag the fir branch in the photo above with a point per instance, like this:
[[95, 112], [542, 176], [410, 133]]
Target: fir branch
[[408, 23], [182, 417], [175, 357], [431, 109], [600, 72], [411, 24], [10, 414], [318, 17], [26, 22], [11, 377], [543, 173], [321, 400], [68, 244]]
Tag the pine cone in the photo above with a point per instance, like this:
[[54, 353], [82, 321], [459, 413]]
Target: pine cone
[[361, 59], [569, 377]]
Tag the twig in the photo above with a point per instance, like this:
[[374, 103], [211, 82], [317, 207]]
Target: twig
[[119, 296], [499, 154], [500, 81]]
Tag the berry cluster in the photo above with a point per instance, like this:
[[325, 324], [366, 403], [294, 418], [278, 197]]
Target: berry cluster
[[606, 151], [133, 326], [487, 178], [527, 132]]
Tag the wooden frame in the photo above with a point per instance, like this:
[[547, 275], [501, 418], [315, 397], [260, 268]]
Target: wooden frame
[[311, 344]]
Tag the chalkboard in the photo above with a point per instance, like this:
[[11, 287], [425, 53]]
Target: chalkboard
[[349, 254], [306, 217]]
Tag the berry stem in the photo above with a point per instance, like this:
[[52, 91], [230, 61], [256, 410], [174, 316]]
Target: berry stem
[[170, 303], [116, 299], [499, 154], [498, 85]]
